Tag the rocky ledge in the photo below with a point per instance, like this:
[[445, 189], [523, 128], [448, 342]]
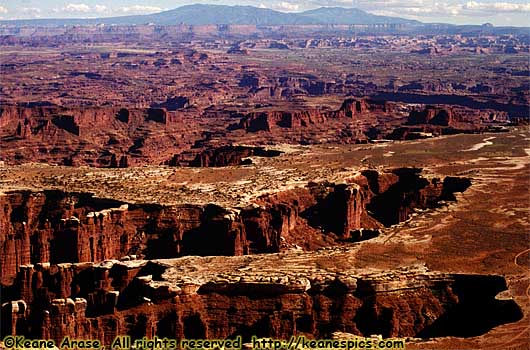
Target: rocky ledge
[[59, 227], [273, 295]]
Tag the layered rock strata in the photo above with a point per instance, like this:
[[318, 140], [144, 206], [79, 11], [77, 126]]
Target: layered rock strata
[[268, 296], [61, 227]]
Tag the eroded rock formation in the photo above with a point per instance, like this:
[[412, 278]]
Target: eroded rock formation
[[225, 156], [97, 136], [351, 108], [118, 137], [58, 227], [222, 299]]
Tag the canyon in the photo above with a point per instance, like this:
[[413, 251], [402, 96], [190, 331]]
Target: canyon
[[290, 258], [213, 181], [116, 137], [59, 227]]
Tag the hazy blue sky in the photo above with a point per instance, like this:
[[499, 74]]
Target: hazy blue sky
[[503, 12]]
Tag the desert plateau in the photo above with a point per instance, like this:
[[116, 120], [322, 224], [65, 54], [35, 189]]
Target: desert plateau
[[215, 172]]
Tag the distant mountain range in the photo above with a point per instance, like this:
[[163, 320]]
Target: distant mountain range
[[221, 14]]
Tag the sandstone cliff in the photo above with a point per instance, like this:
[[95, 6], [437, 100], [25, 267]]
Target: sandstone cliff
[[208, 298], [61, 227]]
